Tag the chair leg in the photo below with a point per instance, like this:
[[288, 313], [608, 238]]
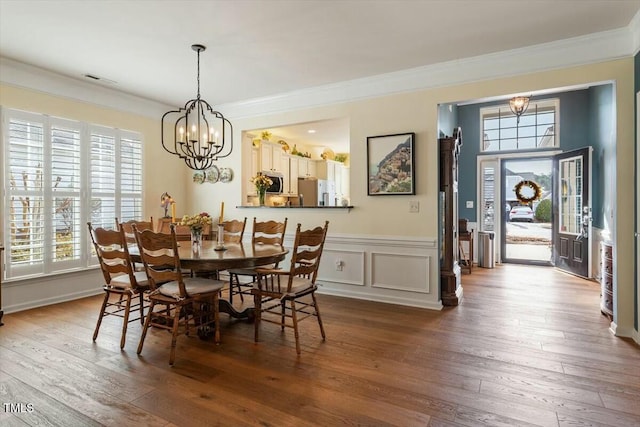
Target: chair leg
[[283, 307], [146, 326], [101, 315], [315, 306], [125, 323], [141, 297], [295, 325], [257, 304], [216, 317], [174, 332], [231, 276]]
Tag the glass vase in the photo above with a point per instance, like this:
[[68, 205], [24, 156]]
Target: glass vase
[[196, 237], [261, 194]]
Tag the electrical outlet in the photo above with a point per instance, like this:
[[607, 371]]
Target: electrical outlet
[[414, 206], [469, 204], [339, 265]]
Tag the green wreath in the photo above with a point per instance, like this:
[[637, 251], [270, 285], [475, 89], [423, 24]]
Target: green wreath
[[537, 192]]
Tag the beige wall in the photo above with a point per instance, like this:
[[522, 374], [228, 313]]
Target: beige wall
[[372, 216]]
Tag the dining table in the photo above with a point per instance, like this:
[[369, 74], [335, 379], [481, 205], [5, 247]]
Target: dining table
[[208, 258]]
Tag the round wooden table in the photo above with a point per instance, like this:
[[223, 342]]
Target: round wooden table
[[236, 255]]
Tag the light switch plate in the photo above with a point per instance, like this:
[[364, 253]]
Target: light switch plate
[[469, 204], [414, 206]]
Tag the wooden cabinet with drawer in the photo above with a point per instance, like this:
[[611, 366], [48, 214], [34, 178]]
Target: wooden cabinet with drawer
[[606, 280]]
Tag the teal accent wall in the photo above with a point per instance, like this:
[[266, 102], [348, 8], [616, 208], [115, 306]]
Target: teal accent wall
[[586, 116], [636, 71]]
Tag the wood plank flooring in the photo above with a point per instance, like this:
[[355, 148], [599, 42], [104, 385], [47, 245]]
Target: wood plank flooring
[[527, 347]]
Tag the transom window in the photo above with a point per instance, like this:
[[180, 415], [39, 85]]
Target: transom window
[[537, 129], [59, 175]]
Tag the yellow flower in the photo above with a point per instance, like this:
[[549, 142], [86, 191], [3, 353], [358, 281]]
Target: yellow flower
[[262, 182], [196, 222]]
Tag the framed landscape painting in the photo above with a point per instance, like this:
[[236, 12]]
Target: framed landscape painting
[[391, 164]]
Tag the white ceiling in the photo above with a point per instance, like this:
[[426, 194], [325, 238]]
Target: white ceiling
[[261, 48]]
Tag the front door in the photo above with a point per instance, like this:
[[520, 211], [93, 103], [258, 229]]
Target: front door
[[572, 211]]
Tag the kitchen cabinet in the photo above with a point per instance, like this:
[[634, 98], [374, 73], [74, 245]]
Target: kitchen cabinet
[[294, 172], [255, 168], [271, 157], [333, 171], [307, 167]]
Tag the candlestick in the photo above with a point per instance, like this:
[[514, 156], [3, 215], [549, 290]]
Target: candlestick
[[173, 212], [220, 240]]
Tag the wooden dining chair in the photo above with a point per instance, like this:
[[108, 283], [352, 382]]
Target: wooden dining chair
[[121, 281], [128, 228], [234, 230], [277, 287], [263, 233], [184, 301], [128, 233]]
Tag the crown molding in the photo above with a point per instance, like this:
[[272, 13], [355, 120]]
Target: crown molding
[[634, 29], [19, 74], [592, 48]]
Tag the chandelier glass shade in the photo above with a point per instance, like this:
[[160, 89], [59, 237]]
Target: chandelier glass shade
[[196, 132], [519, 105]]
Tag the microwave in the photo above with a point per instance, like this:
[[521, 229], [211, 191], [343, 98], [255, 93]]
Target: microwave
[[278, 182]]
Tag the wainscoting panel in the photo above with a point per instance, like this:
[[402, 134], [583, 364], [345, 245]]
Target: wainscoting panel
[[400, 271], [397, 270], [343, 266]]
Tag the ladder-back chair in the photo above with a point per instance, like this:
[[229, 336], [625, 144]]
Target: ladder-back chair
[[121, 280], [263, 233], [276, 287], [184, 300]]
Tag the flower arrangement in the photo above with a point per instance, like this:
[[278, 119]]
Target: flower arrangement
[[165, 202], [262, 182], [196, 222]]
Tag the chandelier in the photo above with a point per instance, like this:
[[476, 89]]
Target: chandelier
[[196, 133], [519, 105]]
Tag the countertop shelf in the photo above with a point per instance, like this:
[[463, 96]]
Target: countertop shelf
[[294, 207]]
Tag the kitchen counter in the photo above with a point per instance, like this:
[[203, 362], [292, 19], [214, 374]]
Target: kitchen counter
[[294, 207]]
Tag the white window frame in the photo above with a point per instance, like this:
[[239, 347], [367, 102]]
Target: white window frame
[[505, 113], [49, 266]]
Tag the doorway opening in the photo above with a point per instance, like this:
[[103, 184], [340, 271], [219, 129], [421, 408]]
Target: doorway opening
[[527, 218]]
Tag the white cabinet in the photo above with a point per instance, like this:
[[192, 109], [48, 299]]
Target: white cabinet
[[334, 171], [270, 157], [255, 168], [307, 167], [294, 173]]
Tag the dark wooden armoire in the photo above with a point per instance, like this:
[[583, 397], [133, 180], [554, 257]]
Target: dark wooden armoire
[[450, 286]]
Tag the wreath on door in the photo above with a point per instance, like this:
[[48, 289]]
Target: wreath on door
[[527, 191]]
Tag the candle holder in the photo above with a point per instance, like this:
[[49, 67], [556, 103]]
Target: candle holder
[[220, 239]]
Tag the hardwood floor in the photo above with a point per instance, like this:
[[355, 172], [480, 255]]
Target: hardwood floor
[[527, 346]]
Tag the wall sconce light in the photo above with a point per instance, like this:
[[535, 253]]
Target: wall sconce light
[[519, 105]]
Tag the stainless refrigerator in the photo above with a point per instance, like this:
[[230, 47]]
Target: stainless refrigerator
[[316, 192]]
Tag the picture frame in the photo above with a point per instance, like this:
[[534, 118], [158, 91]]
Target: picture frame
[[391, 165]]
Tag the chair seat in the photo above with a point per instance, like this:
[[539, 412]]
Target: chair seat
[[298, 285], [194, 286], [123, 281]]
